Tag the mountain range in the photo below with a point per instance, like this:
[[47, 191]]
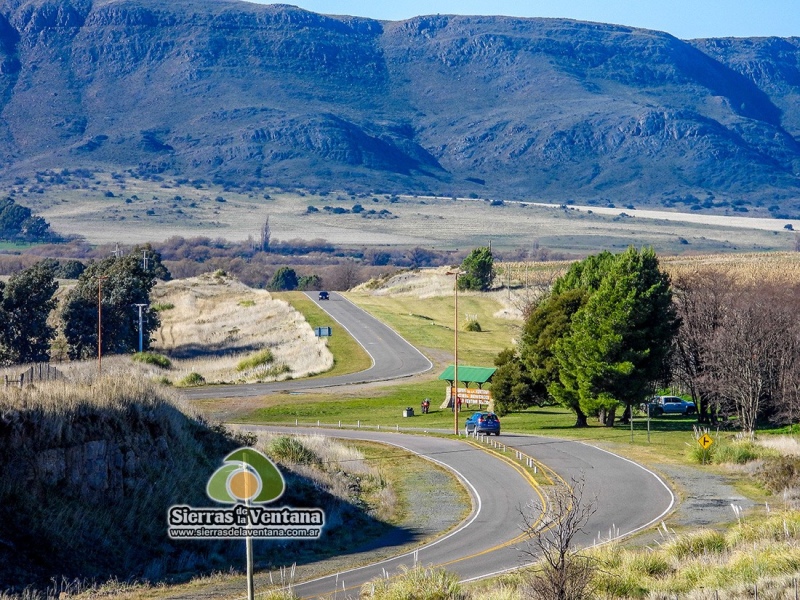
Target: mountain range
[[272, 95]]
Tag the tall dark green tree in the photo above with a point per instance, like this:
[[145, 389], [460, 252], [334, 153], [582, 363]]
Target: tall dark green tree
[[549, 322], [512, 388], [478, 269], [127, 281], [602, 336], [618, 345], [284, 279], [18, 222], [25, 304]]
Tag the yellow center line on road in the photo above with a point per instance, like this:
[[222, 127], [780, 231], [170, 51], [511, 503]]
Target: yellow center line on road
[[547, 471]]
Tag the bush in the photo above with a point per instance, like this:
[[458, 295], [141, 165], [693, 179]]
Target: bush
[[264, 357], [193, 379], [418, 583], [473, 326], [151, 358], [699, 543], [162, 306], [291, 450], [783, 473], [740, 453]]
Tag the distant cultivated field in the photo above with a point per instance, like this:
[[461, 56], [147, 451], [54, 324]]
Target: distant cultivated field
[[106, 209], [743, 267]]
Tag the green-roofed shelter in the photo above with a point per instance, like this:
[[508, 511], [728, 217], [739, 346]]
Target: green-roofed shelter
[[467, 374]]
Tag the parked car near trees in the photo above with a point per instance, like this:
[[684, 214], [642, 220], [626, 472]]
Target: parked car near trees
[[668, 405]]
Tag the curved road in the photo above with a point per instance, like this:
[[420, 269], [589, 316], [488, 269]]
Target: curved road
[[627, 497], [392, 356]]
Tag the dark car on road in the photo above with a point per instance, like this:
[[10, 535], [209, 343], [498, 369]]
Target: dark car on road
[[483, 422], [323, 295]]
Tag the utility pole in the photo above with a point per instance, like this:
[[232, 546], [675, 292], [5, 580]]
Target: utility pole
[[100, 323], [454, 393], [144, 259], [140, 306], [117, 252]]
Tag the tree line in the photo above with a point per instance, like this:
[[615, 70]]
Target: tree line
[[615, 329], [117, 283], [18, 223]]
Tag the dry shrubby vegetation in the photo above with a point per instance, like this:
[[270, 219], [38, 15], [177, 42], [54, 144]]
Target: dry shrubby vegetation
[[91, 465], [222, 329]]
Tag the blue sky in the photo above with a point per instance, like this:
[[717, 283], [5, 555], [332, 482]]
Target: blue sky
[[682, 18]]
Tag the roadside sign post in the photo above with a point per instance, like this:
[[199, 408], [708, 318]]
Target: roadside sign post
[[248, 541], [140, 307], [705, 443]]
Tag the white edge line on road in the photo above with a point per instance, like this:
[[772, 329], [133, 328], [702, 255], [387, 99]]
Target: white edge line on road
[[426, 546], [430, 364], [623, 535], [372, 358], [654, 474]]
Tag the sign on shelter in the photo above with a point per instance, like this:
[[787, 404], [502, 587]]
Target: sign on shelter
[[472, 397]]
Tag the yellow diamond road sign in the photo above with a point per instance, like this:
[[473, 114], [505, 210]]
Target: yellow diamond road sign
[[705, 441]]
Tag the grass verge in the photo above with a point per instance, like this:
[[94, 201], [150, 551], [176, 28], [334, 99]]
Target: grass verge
[[429, 324], [348, 355]]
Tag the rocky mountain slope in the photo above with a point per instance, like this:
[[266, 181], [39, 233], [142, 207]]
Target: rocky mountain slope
[[496, 106]]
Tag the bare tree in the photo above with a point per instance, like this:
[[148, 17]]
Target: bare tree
[[344, 276], [266, 234], [562, 572], [749, 352], [701, 299]]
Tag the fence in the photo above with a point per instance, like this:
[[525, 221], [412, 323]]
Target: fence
[[38, 372]]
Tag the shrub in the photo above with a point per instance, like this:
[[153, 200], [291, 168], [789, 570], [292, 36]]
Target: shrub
[[247, 303], [291, 450], [264, 357], [151, 358], [162, 306], [696, 454], [419, 583], [193, 379], [742, 452], [473, 326], [699, 543], [778, 475]]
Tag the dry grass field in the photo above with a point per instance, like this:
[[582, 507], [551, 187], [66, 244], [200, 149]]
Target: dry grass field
[[746, 268], [139, 211]]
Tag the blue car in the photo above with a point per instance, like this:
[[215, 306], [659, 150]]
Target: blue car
[[483, 422]]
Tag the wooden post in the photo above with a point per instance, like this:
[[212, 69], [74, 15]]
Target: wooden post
[[22, 379]]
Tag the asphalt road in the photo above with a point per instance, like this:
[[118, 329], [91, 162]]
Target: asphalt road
[[392, 356], [627, 498]]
